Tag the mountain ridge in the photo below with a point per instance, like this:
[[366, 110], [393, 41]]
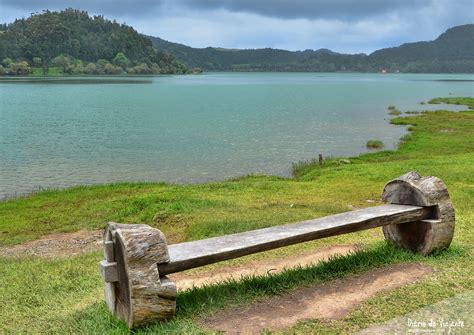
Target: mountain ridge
[[451, 51]]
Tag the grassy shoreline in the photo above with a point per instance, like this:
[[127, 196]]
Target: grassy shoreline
[[65, 295]]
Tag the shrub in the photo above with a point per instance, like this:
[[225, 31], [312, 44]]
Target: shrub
[[19, 68], [62, 61], [391, 107], [37, 61], [155, 68], [100, 65], [394, 112], [375, 144], [112, 69], [76, 68], [120, 60], [7, 62], [139, 69], [91, 68]]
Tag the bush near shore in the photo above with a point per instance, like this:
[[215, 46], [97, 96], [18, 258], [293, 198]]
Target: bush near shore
[[374, 144]]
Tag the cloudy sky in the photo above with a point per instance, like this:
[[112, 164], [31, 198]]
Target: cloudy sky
[[350, 26]]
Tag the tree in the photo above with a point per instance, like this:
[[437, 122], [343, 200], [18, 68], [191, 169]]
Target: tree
[[101, 63], [91, 68], [111, 69], [20, 68], [63, 62], [37, 61], [155, 68], [74, 33], [47, 33], [7, 62], [2, 70], [121, 60], [140, 69], [76, 67]]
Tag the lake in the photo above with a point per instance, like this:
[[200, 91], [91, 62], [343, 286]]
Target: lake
[[62, 132]]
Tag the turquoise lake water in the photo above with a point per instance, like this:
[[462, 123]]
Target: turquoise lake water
[[60, 133]]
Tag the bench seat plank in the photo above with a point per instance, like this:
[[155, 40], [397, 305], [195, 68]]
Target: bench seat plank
[[193, 254]]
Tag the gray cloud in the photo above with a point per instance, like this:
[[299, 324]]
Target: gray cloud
[[106, 7], [341, 25], [311, 9], [286, 9]]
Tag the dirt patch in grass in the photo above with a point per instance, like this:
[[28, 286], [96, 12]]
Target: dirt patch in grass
[[331, 301], [213, 276], [57, 245]]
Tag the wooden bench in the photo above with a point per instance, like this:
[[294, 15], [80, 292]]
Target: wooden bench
[[419, 216]]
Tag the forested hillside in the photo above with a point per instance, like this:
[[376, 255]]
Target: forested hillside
[[72, 42], [75, 42], [453, 51]]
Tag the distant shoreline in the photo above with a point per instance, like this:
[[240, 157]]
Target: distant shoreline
[[126, 75]]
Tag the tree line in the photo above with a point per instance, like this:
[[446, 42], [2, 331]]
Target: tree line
[[75, 43], [452, 51]]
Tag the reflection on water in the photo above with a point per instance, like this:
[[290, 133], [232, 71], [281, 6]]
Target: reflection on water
[[79, 80]]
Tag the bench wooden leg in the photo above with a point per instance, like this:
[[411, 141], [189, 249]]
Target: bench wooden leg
[[134, 290], [423, 236]]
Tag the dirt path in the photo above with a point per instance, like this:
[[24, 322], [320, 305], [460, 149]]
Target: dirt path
[[57, 245], [333, 300], [188, 280]]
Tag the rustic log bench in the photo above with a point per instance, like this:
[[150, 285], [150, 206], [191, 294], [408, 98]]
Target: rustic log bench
[[419, 217]]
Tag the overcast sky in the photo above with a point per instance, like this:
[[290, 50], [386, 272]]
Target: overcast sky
[[349, 26]]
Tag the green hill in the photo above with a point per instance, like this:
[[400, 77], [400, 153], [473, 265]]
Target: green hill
[[267, 59], [73, 42], [78, 43], [452, 51]]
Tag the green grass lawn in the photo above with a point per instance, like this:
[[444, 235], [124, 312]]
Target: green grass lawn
[[65, 295], [52, 71]]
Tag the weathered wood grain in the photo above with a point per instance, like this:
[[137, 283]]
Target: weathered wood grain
[[422, 236], [136, 292], [109, 251], [109, 287], [108, 271], [193, 254]]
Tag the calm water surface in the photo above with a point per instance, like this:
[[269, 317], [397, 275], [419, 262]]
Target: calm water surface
[[59, 133]]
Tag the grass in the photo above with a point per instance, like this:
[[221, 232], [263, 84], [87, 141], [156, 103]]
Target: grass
[[393, 110], [374, 144], [455, 101], [52, 71], [65, 295]]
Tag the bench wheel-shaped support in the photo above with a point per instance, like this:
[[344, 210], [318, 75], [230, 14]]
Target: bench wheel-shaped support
[[423, 236], [134, 290]]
